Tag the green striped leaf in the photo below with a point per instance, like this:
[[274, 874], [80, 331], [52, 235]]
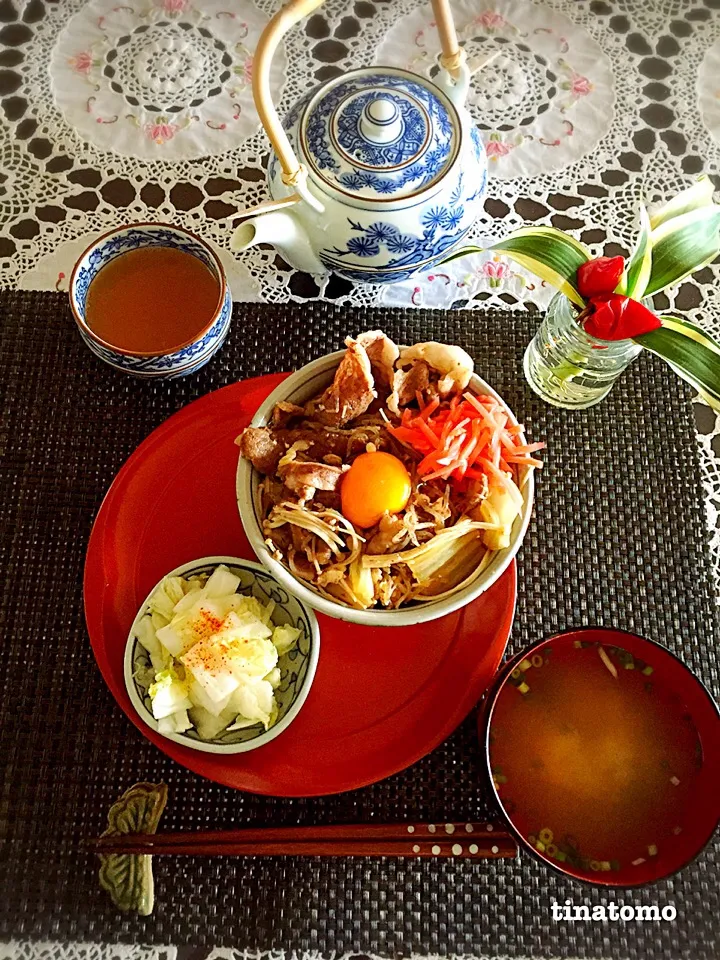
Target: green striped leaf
[[693, 331], [462, 252], [551, 254], [698, 195], [682, 245], [691, 352], [637, 272]]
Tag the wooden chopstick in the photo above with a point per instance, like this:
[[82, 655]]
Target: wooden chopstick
[[361, 831], [469, 840], [502, 848]]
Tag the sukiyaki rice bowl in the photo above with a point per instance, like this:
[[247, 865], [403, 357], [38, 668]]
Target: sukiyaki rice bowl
[[386, 485]]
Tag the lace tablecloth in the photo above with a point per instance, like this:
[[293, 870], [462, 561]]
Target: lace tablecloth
[[140, 110]]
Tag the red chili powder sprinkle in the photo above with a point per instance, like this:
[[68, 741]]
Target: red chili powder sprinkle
[[207, 624]]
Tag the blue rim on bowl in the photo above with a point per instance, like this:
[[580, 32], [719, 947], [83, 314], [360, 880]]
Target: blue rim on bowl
[[297, 667], [181, 360]]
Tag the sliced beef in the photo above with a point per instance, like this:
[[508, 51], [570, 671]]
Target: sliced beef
[[301, 567], [272, 493], [285, 412], [262, 448], [300, 537], [303, 478], [382, 354], [351, 392], [406, 383], [330, 499], [280, 536], [454, 365], [320, 442], [265, 446], [323, 553], [383, 541]]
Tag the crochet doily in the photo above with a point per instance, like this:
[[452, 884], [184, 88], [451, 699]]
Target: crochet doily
[[589, 105], [158, 79], [52, 950], [25, 950]]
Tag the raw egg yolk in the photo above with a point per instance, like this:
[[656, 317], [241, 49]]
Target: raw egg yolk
[[376, 483]]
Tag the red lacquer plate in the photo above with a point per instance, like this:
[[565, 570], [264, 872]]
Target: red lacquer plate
[[382, 697]]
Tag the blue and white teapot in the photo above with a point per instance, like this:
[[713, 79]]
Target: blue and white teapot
[[392, 172]]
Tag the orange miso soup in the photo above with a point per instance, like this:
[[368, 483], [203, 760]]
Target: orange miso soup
[[152, 300], [594, 760]]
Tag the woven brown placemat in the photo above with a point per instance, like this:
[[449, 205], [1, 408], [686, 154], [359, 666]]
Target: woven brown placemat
[[618, 538]]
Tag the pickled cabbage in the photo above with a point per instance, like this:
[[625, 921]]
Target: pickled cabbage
[[214, 655]]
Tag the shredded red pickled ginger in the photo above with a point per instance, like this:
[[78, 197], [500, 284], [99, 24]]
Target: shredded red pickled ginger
[[466, 438]]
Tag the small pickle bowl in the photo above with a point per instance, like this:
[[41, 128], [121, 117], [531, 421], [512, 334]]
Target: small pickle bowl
[[181, 360], [298, 388], [603, 751], [297, 666]]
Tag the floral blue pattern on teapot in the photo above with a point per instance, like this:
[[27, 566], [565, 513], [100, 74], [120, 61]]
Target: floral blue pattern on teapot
[[392, 175]]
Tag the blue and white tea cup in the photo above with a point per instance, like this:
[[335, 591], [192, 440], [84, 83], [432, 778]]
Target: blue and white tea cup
[[181, 361]]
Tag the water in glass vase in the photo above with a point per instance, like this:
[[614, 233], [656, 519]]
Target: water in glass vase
[[569, 368]]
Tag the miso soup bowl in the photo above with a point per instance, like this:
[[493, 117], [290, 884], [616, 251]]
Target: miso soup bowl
[[689, 701], [186, 357], [298, 388]]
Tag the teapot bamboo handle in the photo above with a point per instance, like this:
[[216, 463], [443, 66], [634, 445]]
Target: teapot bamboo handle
[[294, 173], [453, 55]]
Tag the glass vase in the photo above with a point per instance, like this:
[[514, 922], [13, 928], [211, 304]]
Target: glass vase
[[569, 368]]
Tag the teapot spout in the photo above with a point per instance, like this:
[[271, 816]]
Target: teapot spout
[[285, 232]]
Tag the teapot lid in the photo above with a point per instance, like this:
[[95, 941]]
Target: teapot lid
[[379, 134]]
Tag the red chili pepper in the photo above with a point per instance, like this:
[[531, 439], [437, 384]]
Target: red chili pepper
[[616, 317], [599, 276]]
